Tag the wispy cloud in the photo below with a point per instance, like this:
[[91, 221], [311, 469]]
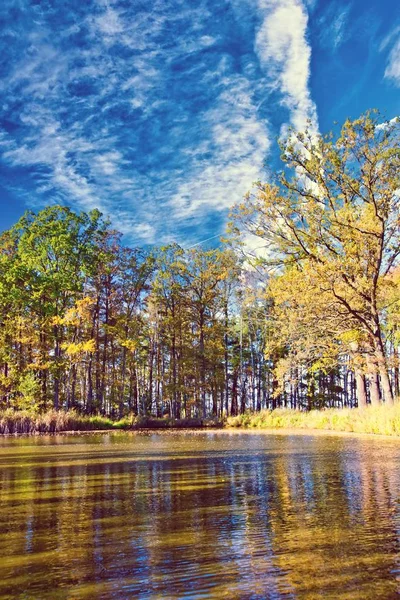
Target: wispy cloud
[[334, 27], [140, 113], [284, 52], [231, 158], [392, 71]]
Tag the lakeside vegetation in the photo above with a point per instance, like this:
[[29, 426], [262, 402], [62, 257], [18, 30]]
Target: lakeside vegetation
[[58, 421], [312, 321], [53, 421], [379, 420]]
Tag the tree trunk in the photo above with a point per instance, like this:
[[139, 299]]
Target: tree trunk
[[226, 360], [361, 391], [396, 372], [234, 405], [383, 371], [373, 381], [56, 401], [374, 394], [202, 366]]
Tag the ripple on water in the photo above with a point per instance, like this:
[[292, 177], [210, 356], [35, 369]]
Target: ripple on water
[[199, 515]]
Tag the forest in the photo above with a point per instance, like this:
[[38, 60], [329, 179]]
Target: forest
[[298, 307]]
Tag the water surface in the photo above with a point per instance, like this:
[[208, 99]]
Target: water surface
[[199, 515]]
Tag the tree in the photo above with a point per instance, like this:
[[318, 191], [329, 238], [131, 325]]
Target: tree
[[54, 252], [318, 337], [338, 214], [206, 273]]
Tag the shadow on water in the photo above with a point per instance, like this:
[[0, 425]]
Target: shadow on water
[[202, 516]]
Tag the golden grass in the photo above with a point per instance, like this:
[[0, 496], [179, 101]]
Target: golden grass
[[53, 421], [381, 420]]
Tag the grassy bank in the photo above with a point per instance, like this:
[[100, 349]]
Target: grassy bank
[[50, 422], [16, 422], [380, 420]]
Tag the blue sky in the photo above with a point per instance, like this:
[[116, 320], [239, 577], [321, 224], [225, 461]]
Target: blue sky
[[162, 114]]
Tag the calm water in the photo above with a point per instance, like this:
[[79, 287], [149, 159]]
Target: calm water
[[199, 515]]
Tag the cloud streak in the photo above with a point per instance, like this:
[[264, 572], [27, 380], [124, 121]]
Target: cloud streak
[[392, 70], [284, 53], [335, 26]]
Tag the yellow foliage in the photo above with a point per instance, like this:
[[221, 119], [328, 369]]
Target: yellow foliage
[[74, 349], [131, 345], [74, 315]]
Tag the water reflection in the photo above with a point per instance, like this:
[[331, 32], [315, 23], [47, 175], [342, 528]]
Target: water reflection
[[202, 515]]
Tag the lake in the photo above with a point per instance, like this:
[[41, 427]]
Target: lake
[[199, 515]]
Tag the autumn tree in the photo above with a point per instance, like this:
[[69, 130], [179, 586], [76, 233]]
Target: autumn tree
[[319, 338], [207, 273], [337, 214], [53, 253]]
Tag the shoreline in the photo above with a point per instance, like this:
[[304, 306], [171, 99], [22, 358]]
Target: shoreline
[[371, 421], [284, 431]]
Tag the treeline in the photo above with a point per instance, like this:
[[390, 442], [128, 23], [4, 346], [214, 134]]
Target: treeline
[[87, 323]]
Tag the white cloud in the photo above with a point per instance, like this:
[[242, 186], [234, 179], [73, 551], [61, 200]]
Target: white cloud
[[387, 40], [159, 130], [393, 65], [109, 22], [338, 26], [145, 232], [284, 54], [334, 27], [392, 42], [239, 142], [108, 162], [386, 124]]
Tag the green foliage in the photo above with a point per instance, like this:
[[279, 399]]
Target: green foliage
[[28, 391]]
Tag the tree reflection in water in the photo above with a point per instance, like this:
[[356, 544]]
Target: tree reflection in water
[[197, 515]]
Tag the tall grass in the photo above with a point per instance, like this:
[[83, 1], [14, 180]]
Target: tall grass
[[53, 421], [379, 420]]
